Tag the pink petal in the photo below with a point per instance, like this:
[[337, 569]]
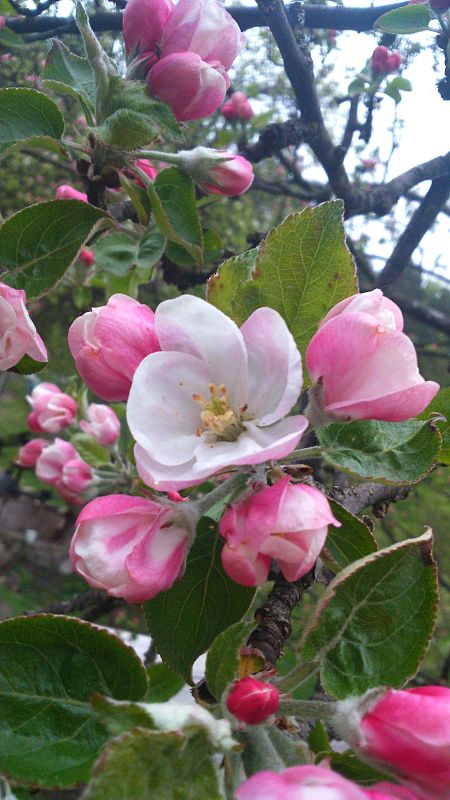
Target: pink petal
[[274, 366], [244, 566]]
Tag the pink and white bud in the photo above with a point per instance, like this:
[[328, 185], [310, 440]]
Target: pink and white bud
[[287, 522], [65, 192], [217, 172], [103, 424], [237, 107], [76, 475], [191, 87], [109, 342], [143, 23], [129, 546], [299, 783], [363, 366], [61, 466], [253, 701], [405, 733], [18, 336], [87, 256], [51, 409], [203, 27], [30, 452]]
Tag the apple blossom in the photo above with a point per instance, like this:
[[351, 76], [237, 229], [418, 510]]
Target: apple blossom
[[215, 395], [129, 546], [56, 466], [231, 177], [252, 701], [237, 107], [299, 783], [109, 342], [51, 409], [30, 452], [403, 732], [203, 27], [288, 522], [103, 424], [65, 192], [363, 366], [18, 336], [191, 87], [143, 22]]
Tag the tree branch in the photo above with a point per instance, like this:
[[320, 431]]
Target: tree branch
[[419, 224]]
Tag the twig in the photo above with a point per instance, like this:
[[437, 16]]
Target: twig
[[356, 498], [94, 604]]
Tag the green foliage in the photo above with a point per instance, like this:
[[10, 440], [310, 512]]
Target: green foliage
[[67, 73], [351, 541], [395, 87], [440, 406], [133, 119], [39, 243], [144, 764], [163, 683], [222, 662], [11, 40], [90, 450], [29, 117], [391, 452], [374, 622], [172, 196], [409, 19], [186, 619], [119, 252], [50, 667], [301, 270], [28, 366]]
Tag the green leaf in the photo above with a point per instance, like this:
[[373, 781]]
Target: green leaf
[[172, 196], [440, 406], [144, 764], [374, 622], [318, 739], [151, 248], [395, 87], [28, 366], [356, 86], [302, 269], [351, 541], [91, 451], [28, 117], [39, 243], [128, 104], [101, 64], [68, 73], [118, 253], [409, 19], [222, 662], [10, 40], [164, 683], [351, 767], [390, 452], [49, 668], [185, 620]]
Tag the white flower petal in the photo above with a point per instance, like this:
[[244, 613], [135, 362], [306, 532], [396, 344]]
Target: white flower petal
[[274, 366], [191, 325], [162, 413], [166, 478]]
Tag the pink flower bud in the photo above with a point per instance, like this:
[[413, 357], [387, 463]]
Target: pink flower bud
[[51, 409], [103, 425], [76, 475], [129, 546], [231, 177], [253, 701], [299, 783], [18, 336], [384, 62], [237, 107], [405, 733], [30, 452], [203, 27], [87, 256], [2, 22], [146, 166], [143, 22], [50, 465], [369, 164], [109, 342], [389, 791], [287, 522], [363, 366], [191, 87], [393, 62], [65, 192]]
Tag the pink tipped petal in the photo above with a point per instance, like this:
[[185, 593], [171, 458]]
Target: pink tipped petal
[[274, 366], [245, 567], [191, 87], [395, 407], [384, 310], [189, 325], [156, 562]]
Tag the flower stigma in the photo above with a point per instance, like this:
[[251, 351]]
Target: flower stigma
[[217, 415]]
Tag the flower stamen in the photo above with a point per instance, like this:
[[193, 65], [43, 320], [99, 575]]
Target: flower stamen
[[217, 415]]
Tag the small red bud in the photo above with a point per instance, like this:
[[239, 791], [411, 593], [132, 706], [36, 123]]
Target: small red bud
[[253, 701]]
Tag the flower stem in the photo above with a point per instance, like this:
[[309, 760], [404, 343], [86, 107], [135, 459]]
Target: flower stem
[[231, 486], [308, 709], [303, 452]]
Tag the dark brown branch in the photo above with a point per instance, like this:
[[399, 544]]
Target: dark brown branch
[[430, 316], [356, 498], [419, 224], [93, 604], [316, 17], [274, 138], [352, 124]]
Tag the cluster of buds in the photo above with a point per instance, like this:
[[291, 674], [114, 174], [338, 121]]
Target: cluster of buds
[[384, 62], [237, 107], [186, 51], [56, 461]]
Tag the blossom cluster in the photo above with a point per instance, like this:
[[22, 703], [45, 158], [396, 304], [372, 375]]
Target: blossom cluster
[[186, 51]]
